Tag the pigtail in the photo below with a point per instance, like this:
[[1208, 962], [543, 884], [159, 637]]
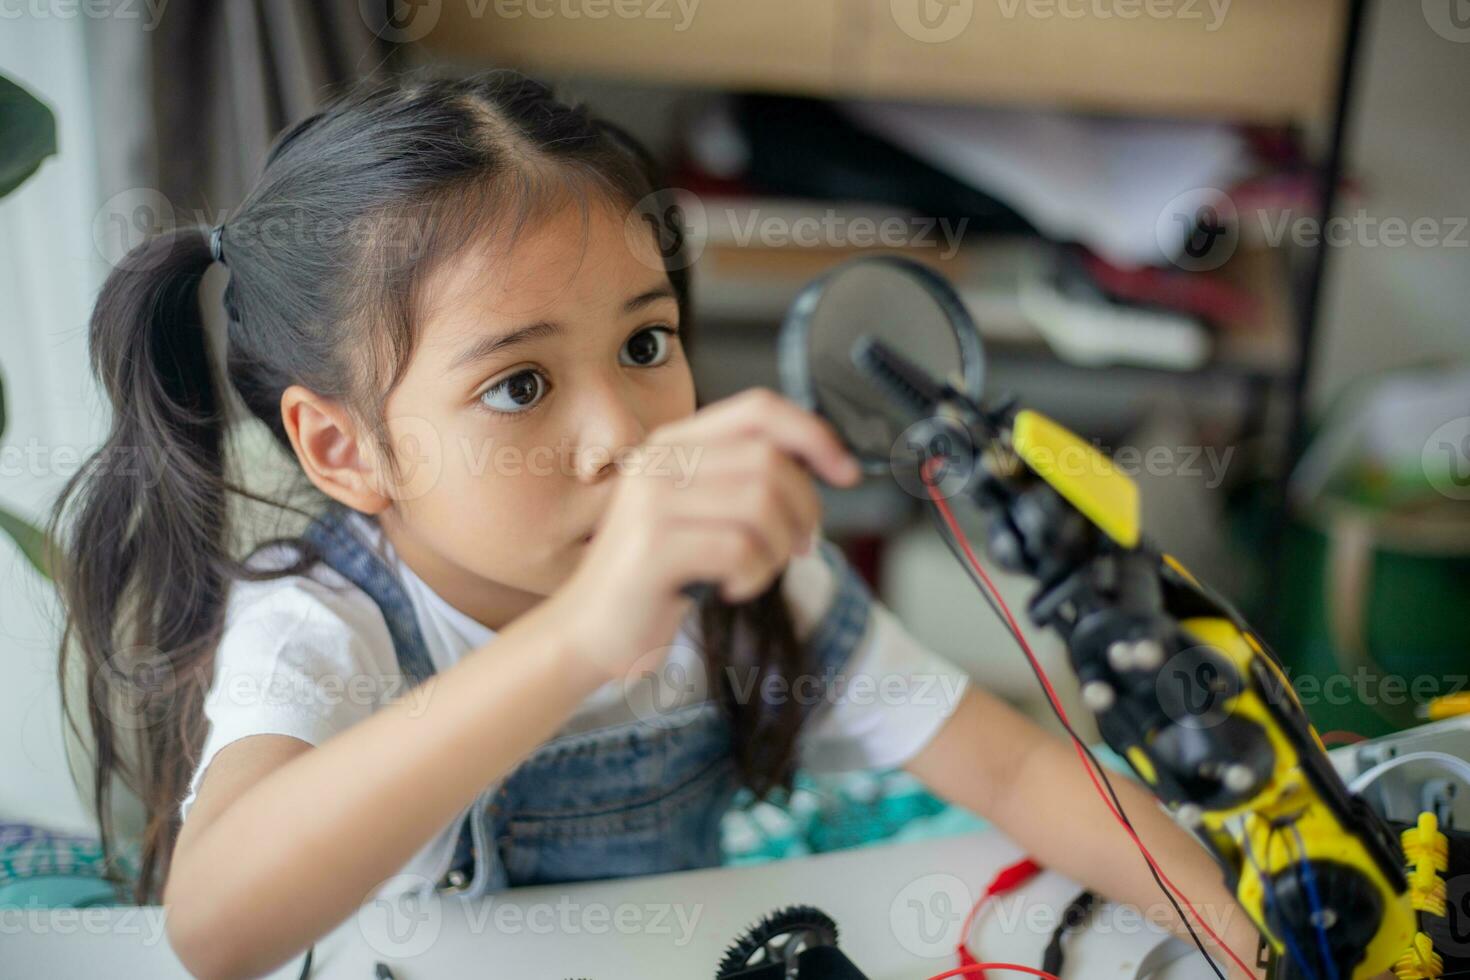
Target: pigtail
[[143, 540]]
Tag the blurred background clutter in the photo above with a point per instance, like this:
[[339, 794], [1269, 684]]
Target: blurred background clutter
[[1225, 240]]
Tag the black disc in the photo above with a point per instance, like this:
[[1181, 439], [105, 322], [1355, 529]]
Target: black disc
[[779, 938]]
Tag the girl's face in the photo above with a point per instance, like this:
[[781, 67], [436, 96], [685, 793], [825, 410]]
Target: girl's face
[[534, 369]]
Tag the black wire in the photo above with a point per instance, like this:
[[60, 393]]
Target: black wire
[[1273, 902], [954, 548]]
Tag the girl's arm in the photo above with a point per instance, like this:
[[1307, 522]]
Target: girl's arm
[[993, 760], [308, 834]]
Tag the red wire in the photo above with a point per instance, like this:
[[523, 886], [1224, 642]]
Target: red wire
[[1061, 712], [1008, 880], [961, 971]]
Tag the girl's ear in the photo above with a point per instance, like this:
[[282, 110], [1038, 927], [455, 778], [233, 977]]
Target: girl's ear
[[334, 451]]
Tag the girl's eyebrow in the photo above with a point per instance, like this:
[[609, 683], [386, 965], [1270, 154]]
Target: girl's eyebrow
[[643, 299], [488, 346]]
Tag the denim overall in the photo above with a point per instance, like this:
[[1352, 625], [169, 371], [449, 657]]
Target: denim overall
[[633, 798]]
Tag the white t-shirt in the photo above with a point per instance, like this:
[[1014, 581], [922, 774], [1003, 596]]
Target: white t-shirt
[[310, 655]]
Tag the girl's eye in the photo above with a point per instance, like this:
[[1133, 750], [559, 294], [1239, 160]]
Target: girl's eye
[[649, 347], [516, 393]]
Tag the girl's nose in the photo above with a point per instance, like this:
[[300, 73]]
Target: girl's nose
[[610, 428]]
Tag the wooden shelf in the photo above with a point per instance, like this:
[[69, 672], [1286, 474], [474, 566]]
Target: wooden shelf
[[1264, 60], [1260, 60], [769, 45], [736, 285]]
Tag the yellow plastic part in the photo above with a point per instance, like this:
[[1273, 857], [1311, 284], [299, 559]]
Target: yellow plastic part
[[1425, 841], [1178, 566], [1448, 706], [1084, 477], [1427, 890], [1142, 764], [1420, 961], [1427, 852], [1286, 795]]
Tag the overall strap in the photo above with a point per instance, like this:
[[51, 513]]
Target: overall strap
[[344, 550], [355, 560]]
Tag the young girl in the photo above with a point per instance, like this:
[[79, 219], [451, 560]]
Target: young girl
[[476, 668]]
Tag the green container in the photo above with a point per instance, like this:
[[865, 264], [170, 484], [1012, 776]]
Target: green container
[[1374, 612]]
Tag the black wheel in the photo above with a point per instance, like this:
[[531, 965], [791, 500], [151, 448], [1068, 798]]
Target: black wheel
[[779, 938]]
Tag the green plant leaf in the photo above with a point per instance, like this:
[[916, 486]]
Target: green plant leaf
[[31, 539], [27, 135]]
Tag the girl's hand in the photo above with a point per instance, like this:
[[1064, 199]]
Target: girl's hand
[[724, 496]]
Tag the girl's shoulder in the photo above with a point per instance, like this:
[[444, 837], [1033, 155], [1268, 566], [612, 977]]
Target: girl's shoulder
[[305, 655], [313, 617]]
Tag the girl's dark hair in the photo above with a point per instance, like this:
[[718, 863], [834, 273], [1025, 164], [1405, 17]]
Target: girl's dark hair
[[326, 256]]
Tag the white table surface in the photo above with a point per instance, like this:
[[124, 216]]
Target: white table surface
[[898, 908]]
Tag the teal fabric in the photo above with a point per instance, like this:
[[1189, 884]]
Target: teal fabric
[[58, 892], [41, 868], [831, 812]]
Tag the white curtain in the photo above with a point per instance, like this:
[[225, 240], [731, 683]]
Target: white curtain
[[50, 269], [161, 120]]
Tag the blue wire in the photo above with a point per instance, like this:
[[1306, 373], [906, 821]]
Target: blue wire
[[1310, 878], [1269, 892]]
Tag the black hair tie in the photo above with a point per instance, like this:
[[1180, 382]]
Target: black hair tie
[[216, 246]]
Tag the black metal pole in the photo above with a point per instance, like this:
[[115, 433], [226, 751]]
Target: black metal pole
[[1331, 175], [1309, 310]]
